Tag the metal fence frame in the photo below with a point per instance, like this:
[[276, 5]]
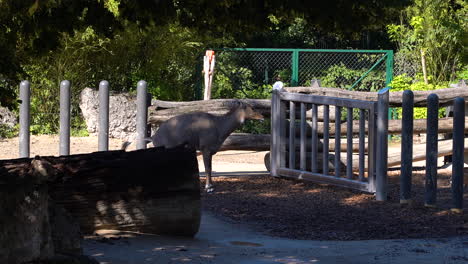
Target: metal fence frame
[[388, 57], [376, 181]]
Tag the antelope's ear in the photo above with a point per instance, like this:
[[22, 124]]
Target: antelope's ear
[[237, 104]]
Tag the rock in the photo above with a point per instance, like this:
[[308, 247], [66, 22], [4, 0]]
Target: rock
[[122, 114], [7, 117]]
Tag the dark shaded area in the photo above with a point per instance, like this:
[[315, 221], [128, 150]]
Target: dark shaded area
[[304, 210]]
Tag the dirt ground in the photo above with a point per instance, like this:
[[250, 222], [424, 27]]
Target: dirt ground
[[300, 210]]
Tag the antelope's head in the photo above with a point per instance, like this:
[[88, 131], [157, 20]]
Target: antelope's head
[[246, 111]]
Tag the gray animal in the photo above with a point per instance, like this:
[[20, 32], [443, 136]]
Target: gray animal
[[203, 131]]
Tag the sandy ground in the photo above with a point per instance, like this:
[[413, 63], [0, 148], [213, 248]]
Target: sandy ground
[[226, 240]]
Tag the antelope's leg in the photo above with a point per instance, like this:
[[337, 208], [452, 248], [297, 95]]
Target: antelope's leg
[[207, 161]]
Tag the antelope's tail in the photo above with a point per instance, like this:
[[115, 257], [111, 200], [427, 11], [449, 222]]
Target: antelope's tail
[[128, 143]]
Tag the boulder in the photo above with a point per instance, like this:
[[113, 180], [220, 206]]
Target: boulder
[[122, 114], [7, 117]]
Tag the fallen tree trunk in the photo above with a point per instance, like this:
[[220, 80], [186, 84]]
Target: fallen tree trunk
[[162, 111], [152, 191], [446, 95]]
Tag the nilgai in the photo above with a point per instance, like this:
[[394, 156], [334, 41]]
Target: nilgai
[[203, 131]]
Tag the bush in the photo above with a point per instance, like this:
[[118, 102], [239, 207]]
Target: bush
[[340, 76], [403, 82]]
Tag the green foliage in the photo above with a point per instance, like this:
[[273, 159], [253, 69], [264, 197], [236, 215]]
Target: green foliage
[[7, 131], [403, 82], [434, 32], [255, 127], [463, 74], [341, 76]]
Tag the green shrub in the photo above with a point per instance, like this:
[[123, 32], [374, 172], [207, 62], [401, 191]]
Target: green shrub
[[7, 131], [340, 76], [403, 82]]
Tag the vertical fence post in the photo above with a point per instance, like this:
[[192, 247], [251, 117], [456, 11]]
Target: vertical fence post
[[148, 104], [103, 133], [458, 155], [142, 114], [326, 138], [362, 143], [349, 143], [337, 140], [24, 119], [431, 150], [275, 134], [295, 68], [382, 144], [406, 147], [302, 144], [64, 145], [315, 141], [292, 135]]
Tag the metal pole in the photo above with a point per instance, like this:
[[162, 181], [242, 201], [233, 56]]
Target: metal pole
[[24, 119], [406, 147], [64, 145], [458, 155], [103, 135], [382, 144], [142, 114], [431, 150]]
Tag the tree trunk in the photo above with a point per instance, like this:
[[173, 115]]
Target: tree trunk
[[423, 65]]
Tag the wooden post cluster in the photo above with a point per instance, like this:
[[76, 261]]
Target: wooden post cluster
[[406, 149], [458, 155], [432, 125], [430, 196]]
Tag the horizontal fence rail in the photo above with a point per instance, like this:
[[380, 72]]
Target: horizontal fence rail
[[289, 113]]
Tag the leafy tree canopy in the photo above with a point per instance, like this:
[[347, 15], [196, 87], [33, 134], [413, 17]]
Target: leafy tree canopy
[[31, 28]]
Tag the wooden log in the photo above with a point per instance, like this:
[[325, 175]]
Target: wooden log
[[446, 95], [153, 190], [162, 111], [33, 226], [445, 148]]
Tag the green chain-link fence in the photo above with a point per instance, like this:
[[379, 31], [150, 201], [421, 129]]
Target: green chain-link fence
[[255, 69]]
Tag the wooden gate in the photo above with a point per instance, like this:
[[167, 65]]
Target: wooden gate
[[318, 145]]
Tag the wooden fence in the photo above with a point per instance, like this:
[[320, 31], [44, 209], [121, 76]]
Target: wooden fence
[[283, 145]]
